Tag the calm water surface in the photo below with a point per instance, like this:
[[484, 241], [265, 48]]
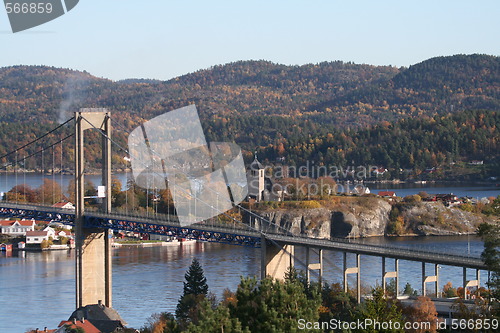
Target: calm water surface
[[9, 180], [37, 289]]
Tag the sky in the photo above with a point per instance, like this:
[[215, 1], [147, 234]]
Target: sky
[[163, 39]]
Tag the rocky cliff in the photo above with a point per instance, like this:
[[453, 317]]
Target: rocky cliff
[[433, 218], [365, 217]]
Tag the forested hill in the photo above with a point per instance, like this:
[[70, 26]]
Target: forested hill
[[331, 92], [437, 85], [275, 108]]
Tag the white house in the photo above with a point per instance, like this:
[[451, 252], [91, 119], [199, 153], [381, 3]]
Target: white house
[[64, 205], [17, 228], [378, 171], [60, 225], [361, 189], [63, 233], [37, 237]]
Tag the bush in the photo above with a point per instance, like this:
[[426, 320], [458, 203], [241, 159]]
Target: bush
[[413, 199], [45, 244]]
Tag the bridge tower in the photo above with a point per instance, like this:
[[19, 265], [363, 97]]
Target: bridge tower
[[93, 247]]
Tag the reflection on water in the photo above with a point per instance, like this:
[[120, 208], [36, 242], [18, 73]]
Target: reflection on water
[[37, 289]]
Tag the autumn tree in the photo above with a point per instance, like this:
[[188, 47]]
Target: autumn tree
[[22, 193], [50, 192], [449, 291], [422, 310]]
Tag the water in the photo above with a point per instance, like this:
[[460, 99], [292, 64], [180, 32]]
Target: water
[[473, 190], [34, 179], [37, 289], [9, 180]]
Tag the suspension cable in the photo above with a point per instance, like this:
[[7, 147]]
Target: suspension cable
[[37, 139], [215, 192], [39, 151], [43, 172]]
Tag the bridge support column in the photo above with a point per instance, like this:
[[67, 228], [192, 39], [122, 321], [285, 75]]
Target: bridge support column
[[388, 275], [471, 283], [93, 248], [276, 259], [93, 265], [316, 266], [353, 270], [429, 279]]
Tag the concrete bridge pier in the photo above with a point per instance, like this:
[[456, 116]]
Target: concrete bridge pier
[[471, 283], [93, 262], [276, 258], [430, 279], [315, 266], [353, 270], [387, 275]]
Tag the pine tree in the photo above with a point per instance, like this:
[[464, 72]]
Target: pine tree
[[380, 309], [490, 233], [195, 292], [196, 283], [216, 320], [273, 306]]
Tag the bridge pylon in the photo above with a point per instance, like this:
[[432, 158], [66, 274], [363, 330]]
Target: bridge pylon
[[93, 245]]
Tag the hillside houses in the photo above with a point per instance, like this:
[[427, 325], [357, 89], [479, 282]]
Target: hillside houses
[[34, 235], [17, 228]]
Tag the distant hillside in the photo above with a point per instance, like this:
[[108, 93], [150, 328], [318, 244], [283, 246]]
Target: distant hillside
[[262, 105], [437, 85], [333, 92]]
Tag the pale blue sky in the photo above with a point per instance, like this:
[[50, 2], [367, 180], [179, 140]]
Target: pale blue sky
[[120, 39]]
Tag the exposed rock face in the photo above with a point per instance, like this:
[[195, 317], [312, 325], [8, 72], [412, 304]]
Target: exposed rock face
[[307, 222], [359, 218], [433, 218], [365, 217], [361, 221]]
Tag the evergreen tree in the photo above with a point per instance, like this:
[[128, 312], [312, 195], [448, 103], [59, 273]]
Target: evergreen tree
[[274, 306], [196, 283], [216, 320], [380, 309], [490, 233], [195, 292]]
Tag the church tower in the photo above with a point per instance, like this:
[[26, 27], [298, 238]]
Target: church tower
[[256, 180]]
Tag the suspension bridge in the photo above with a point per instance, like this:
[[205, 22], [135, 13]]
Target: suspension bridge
[[93, 226]]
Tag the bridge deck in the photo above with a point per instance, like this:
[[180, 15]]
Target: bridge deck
[[233, 234]]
